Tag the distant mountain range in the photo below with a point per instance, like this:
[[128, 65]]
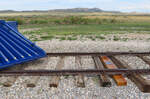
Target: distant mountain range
[[63, 10]]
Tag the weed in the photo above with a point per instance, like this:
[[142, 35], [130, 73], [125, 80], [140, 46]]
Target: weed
[[115, 38], [100, 37], [49, 37], [62, 38], [90, 37], [124, 39], [95, 79], [35, 39], [93, 39], [66, 77], [148, 39], [71, 38]]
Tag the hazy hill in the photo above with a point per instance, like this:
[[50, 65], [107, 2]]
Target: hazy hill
[[83, 10], [79, 10], [7, 11], [63, 10]]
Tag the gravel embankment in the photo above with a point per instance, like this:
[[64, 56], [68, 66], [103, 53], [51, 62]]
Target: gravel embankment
[[67, 88]]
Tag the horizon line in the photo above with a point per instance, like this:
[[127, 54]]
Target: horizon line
[[75, 8]]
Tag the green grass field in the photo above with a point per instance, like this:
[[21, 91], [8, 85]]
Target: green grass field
[[68, 26]]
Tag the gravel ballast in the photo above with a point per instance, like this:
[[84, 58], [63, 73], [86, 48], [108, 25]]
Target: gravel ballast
[[67, 88]]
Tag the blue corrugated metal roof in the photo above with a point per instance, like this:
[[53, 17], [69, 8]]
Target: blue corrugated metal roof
[[13, 24], [15, 48]]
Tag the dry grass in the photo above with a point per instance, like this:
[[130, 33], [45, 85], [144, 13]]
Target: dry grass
[[135, 17], [122, 18]]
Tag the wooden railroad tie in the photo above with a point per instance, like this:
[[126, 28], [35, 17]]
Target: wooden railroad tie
[[104, 80], [119, 79], [142, 83]]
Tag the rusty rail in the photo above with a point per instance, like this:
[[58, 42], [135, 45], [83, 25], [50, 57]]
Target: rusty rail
[[134, 74], [97, 53], [104, 79], [73, 72]]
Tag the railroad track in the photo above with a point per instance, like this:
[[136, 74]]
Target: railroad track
[[105, 66]]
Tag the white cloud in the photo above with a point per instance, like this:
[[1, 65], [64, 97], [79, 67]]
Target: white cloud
[[135, 7], [140, 6]]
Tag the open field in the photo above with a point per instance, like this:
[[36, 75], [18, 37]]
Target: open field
[[72, 26]]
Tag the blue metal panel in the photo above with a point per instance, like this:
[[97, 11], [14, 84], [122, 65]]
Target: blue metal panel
[[13, 24], [15, 48]]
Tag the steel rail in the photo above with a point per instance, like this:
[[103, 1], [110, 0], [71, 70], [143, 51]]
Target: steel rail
[[97, 53], [73, 72]]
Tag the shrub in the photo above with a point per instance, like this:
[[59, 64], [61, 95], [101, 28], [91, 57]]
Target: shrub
[[38, 21], [74, 20], [104, 20], [49, 37], [113, 21], [71, 38], [58, 22], [100, 37], [62, 38], [116, 38], [18, 20]]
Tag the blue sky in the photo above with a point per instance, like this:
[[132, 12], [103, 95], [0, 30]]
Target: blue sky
[[117, 5]]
